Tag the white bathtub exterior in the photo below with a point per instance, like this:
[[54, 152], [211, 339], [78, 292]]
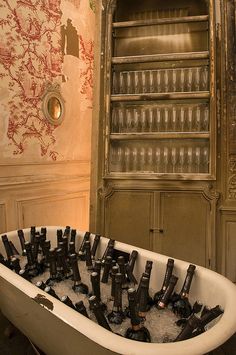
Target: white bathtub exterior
[[59, 330]]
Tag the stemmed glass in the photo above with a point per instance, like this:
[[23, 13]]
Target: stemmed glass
[[121, 120], [150, 121], [142, 159], [158, 120], [198, 119], [136, 82], [158, 159], [197, 159], [120, 158], [158, 81], [166, 159], [182, 119], [151, 81], [190, 79], [190, 119], [144, 87], [127, 159], [115, 126], [135, 159], [190, 159], [173, 159], [166, 80], [205, 79], [174, 79], [182, 79], [166, 119], [122, 83], [197, 79], [136, 120], [181, 159], [150, 159], [206, 118], [205, 159]]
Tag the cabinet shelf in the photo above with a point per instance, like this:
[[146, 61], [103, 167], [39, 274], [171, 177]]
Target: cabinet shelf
[[160, 57], [161, 21], [159, 135], [161, 96]]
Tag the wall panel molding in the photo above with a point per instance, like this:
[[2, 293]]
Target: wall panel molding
[[3, 222]]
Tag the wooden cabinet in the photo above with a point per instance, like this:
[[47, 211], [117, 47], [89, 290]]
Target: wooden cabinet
[[155, 169]]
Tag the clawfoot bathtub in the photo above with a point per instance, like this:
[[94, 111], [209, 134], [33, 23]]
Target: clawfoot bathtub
[[59, 330]]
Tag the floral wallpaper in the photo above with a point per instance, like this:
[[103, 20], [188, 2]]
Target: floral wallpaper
[[40, 42]]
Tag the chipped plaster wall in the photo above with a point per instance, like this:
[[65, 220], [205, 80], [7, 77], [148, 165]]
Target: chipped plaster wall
[[45, 41]]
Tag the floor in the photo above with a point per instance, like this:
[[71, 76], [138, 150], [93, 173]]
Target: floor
[[18, 344]]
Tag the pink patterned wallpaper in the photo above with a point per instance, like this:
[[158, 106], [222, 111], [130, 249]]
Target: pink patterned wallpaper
[[45, 41]]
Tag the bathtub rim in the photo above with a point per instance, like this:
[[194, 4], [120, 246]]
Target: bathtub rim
[[195, 346]]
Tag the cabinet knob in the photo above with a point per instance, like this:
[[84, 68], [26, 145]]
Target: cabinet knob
[[158, 230]]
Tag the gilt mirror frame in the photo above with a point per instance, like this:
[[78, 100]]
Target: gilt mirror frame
[[53, 104]]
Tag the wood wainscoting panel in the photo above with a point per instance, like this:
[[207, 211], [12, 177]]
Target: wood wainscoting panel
[[228, 244], [69, 209], [3, 227]]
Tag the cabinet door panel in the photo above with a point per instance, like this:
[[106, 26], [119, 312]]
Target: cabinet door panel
[[184, 219], [127, 218]]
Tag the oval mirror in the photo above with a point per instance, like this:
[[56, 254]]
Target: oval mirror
[[53, 104]]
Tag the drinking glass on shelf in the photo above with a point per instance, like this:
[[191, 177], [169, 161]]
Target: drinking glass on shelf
[[114, 119], [136, 120], [150, 159], [136, 82], [143, 120], [174, 120], [128, 120], [158, 119], [190, 159], [142, 159], [173, 159], [121, 120], [197, 79], [129, 82], [158, 81], [205, 158], [144, 81], [197, 159], [205, 122], [205, 78], [165, 158], [182, 79], [198, 119], [190, 119], [174, 79], [122, 83], [119, 159], [166, 80], [151, 81], [158, 159], [127, 159], [166, 119], [189, 79], [150, 120], [181, 159], [182, 119], [134, 159], [114, 83]]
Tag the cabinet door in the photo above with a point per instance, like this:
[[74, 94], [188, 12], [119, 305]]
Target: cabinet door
[[184, 224], [127, 217]]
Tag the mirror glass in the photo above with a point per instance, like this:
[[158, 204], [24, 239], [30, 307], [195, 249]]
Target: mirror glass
[[54, 108]]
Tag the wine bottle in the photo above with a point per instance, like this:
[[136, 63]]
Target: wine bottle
[[66, 232], [22, 241], [36, 247], [59, 236], [32, 234], [41, 285], [52, 267], [4, 262], [193, 322], [88, 257], [71, 248], [197, 307], [117, 315], [72, 235], [80, 307], [206, 318], [13, 248], [106, 270], [95, 281], [65, 245], [7, 247], [50, 291], [169, 269], [81, 253], [115, 270], [43, 238], [45, 260], [150, 300], [180, 303], [95, 306], [168, 293], [97, 267], [15, 264], [121, 264], [129, 267], [78, 285], [59, 264], [108, 251], [66, 300], [137, 331], [25, 274], [95, 245], [31, 265], [143, 299]]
